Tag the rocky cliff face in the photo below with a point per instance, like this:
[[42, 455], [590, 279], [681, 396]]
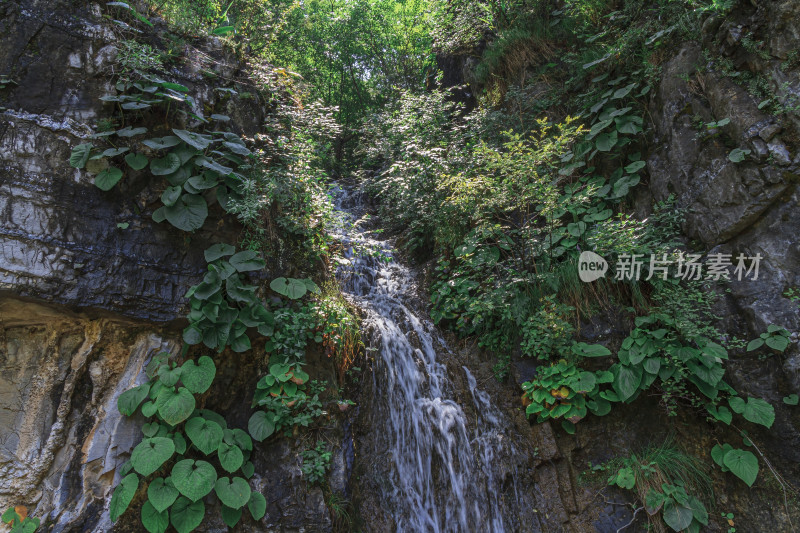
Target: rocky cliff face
[[738, 62], [112, 294]]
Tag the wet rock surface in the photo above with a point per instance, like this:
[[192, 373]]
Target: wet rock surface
[[59, 234]]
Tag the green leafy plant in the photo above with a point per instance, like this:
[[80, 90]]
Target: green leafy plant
[[182, 446], [19, 521], [776, 338], [285, 401], [741, 463], [680, 511], [223, 307], [316, 462]]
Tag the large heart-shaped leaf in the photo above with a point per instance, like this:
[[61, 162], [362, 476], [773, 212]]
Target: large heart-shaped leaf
[[246, 261], [236, 148], [230, 457], [136, 161], [260, 426], [129, 400], [194, 479], [218, 250], [235, 493], [122, 496], [161, 494], [198, 377], [80, 155], [171, 195], [186, 515], [153, 520], [627, 381], [743, 464], [165, 165], [175, 406], [677, 516], [131, 132], [162, 143], [289, 287], [204, 434], [169, 376], [150, 454], [195, 140], [585, 382], [257, 505], [189, 212], [107, 178], [230, 516], [759, 412], [606, 141]]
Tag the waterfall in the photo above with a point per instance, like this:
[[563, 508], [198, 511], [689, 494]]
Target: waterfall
[[442, 475]]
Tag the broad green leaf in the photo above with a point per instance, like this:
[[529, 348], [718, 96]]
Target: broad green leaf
[[230, 457], [699, 510], [230, 516], [260, 426], [149, 409], [792, 399], [122, 496], [623, 92], [195, 140], [162, 143], [759, 412], [169, 376], [194, 479], [175, 406], [235, 493], [80, 155], [590, 350], [171, 195], [257, 505], [165, 165], [248, 469], [153, 520], [606, 141], [246, 261], [289, 287], [159, 215], [110, 152], [135, 105], [198, 377], [737, 404], [136, 161], [189, 213], [107, 178], [677, 516], [627, 381], [777, 342], [653, 501], [186, 515], [625, 478], [150, 454], [755, 344], [743, 464], [738, 155], [213, 165], [712, 375], [585, 382], [129, 401], [206, 435], [131, 132], [221, 118], [635, 167], [223, 30], [161, 494], [192, 335]]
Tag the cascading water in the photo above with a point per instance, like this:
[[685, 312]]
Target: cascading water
[[442, 476]]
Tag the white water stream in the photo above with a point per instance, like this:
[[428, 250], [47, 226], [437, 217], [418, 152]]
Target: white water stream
[[444, 475]]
